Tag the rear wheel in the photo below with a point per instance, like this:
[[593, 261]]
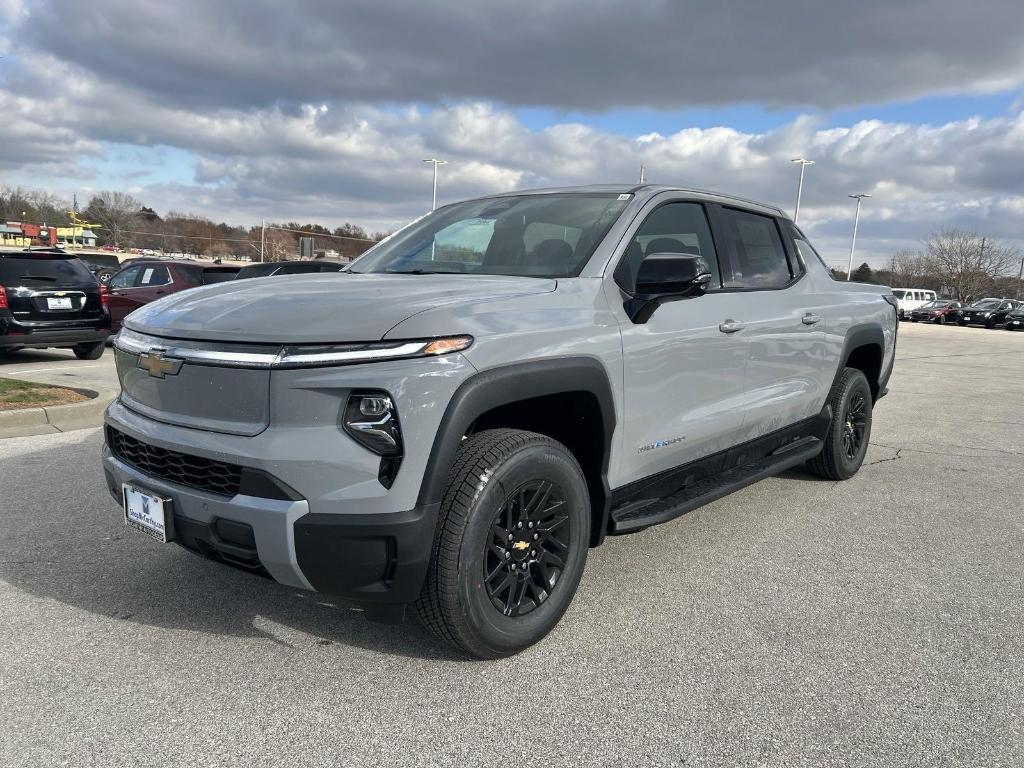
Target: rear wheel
[[850, 428], [93, 351], [941, 319], [510, 544]]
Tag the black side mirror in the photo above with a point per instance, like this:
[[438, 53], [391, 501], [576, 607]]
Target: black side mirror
[[666, 277]]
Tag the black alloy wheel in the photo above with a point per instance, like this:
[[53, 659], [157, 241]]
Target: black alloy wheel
[[855, 422], [525, 557]]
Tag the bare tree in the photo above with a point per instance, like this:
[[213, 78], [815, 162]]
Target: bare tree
[[968, 263], [117, 212]]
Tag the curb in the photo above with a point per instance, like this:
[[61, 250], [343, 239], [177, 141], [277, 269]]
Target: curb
[[57, 418]]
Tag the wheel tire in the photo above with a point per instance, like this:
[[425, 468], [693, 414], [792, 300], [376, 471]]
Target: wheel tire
[[962, 323], [89, 351], [913, 319], [834, 462], [990, 324], [456, 600], [940, 320]]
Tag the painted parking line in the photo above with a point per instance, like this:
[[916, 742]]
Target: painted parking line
[[60, 368]]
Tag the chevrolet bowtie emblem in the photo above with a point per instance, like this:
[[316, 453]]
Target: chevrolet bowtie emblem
[[520, 545], [158, 366]]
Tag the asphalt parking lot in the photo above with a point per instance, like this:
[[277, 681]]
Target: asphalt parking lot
[[874, 622]]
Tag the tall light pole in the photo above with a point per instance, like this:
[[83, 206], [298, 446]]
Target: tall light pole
[[436, 162], [643, 174], [804, 162], [856, 221]]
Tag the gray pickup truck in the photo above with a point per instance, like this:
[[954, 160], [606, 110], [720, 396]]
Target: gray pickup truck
[[451, 423]]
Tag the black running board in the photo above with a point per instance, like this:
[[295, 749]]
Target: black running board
[[654, 511]]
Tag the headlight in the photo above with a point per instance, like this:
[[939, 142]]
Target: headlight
[[370, 418], [342, 354]]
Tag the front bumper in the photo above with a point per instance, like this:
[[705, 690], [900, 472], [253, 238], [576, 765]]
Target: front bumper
[[373, 558], [317, 516]]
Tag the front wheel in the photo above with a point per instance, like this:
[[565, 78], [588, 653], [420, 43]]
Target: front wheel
[[510, 544], [850, 429], [89, 351]]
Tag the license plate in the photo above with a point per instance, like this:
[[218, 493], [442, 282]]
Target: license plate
[[59, 302], [146, 512]]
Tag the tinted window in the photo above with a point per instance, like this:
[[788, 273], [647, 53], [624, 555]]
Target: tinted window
[[125, 278], [153, 276], [330, 266], [672, 228], [897, 292], [549, 235], [758, 259], [99, 260], [44, 270], [211, 276]]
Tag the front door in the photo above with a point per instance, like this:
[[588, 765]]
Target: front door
[[684, 366]]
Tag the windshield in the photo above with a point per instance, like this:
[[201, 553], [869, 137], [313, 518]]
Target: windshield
[[550, 235], [986, 304], [899, 293], [936, 304]]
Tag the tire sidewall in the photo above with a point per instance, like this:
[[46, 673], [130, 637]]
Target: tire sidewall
[[849, 467], [502, 634]]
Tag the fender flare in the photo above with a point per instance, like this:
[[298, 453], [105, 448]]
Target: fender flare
[[861, 335], [507, 384]]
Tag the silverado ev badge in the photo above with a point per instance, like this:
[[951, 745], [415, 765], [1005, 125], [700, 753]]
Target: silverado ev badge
[[157, 366]]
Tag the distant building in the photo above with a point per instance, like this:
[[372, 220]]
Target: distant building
[[24, 234], [76, 237]]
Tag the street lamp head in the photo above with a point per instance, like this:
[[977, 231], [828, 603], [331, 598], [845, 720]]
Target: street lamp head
[[435, 161], [802, 161], [860, 196]]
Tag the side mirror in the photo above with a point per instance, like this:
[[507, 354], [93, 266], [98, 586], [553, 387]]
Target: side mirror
[[665, 277]]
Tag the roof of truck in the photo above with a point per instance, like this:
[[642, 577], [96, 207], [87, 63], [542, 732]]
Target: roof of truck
[[648, 190]]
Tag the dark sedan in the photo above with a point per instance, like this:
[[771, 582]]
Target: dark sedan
[[939, 311], [988, 312], [147, 280], [296, 267]]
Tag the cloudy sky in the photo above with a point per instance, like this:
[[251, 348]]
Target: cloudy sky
[[322, 110]]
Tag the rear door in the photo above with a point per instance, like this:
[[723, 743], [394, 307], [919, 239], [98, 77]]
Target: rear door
[[782, 320]]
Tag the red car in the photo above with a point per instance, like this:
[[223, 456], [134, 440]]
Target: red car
[[146, 280]]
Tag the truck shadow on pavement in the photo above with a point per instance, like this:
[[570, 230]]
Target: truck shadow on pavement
[[62, 537]]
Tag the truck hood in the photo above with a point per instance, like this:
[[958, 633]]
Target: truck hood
[[338, 307]]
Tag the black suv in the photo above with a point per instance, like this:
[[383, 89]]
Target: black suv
[[51, 299], [988, 312]]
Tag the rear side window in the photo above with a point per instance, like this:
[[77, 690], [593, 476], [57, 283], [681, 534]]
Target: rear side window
[[757, 256], [43, 270], [153, 276]]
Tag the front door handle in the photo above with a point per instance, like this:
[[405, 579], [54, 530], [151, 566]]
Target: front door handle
[[810, 318], [731, 326]]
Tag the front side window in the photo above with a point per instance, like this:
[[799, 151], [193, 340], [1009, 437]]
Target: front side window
[[125, 278], [671, 228], [550, 235], [757, 256]]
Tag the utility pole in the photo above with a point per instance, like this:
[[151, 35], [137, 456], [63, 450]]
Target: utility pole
[[436, 162], [804, 162], [856, 221]]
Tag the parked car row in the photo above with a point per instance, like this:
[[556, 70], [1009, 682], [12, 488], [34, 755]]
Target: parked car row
[[989, 313], [50, 297]]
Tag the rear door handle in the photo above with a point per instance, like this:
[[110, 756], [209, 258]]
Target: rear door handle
[[731, 326], [810, 318]]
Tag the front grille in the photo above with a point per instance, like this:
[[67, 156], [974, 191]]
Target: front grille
[[193, 471]]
